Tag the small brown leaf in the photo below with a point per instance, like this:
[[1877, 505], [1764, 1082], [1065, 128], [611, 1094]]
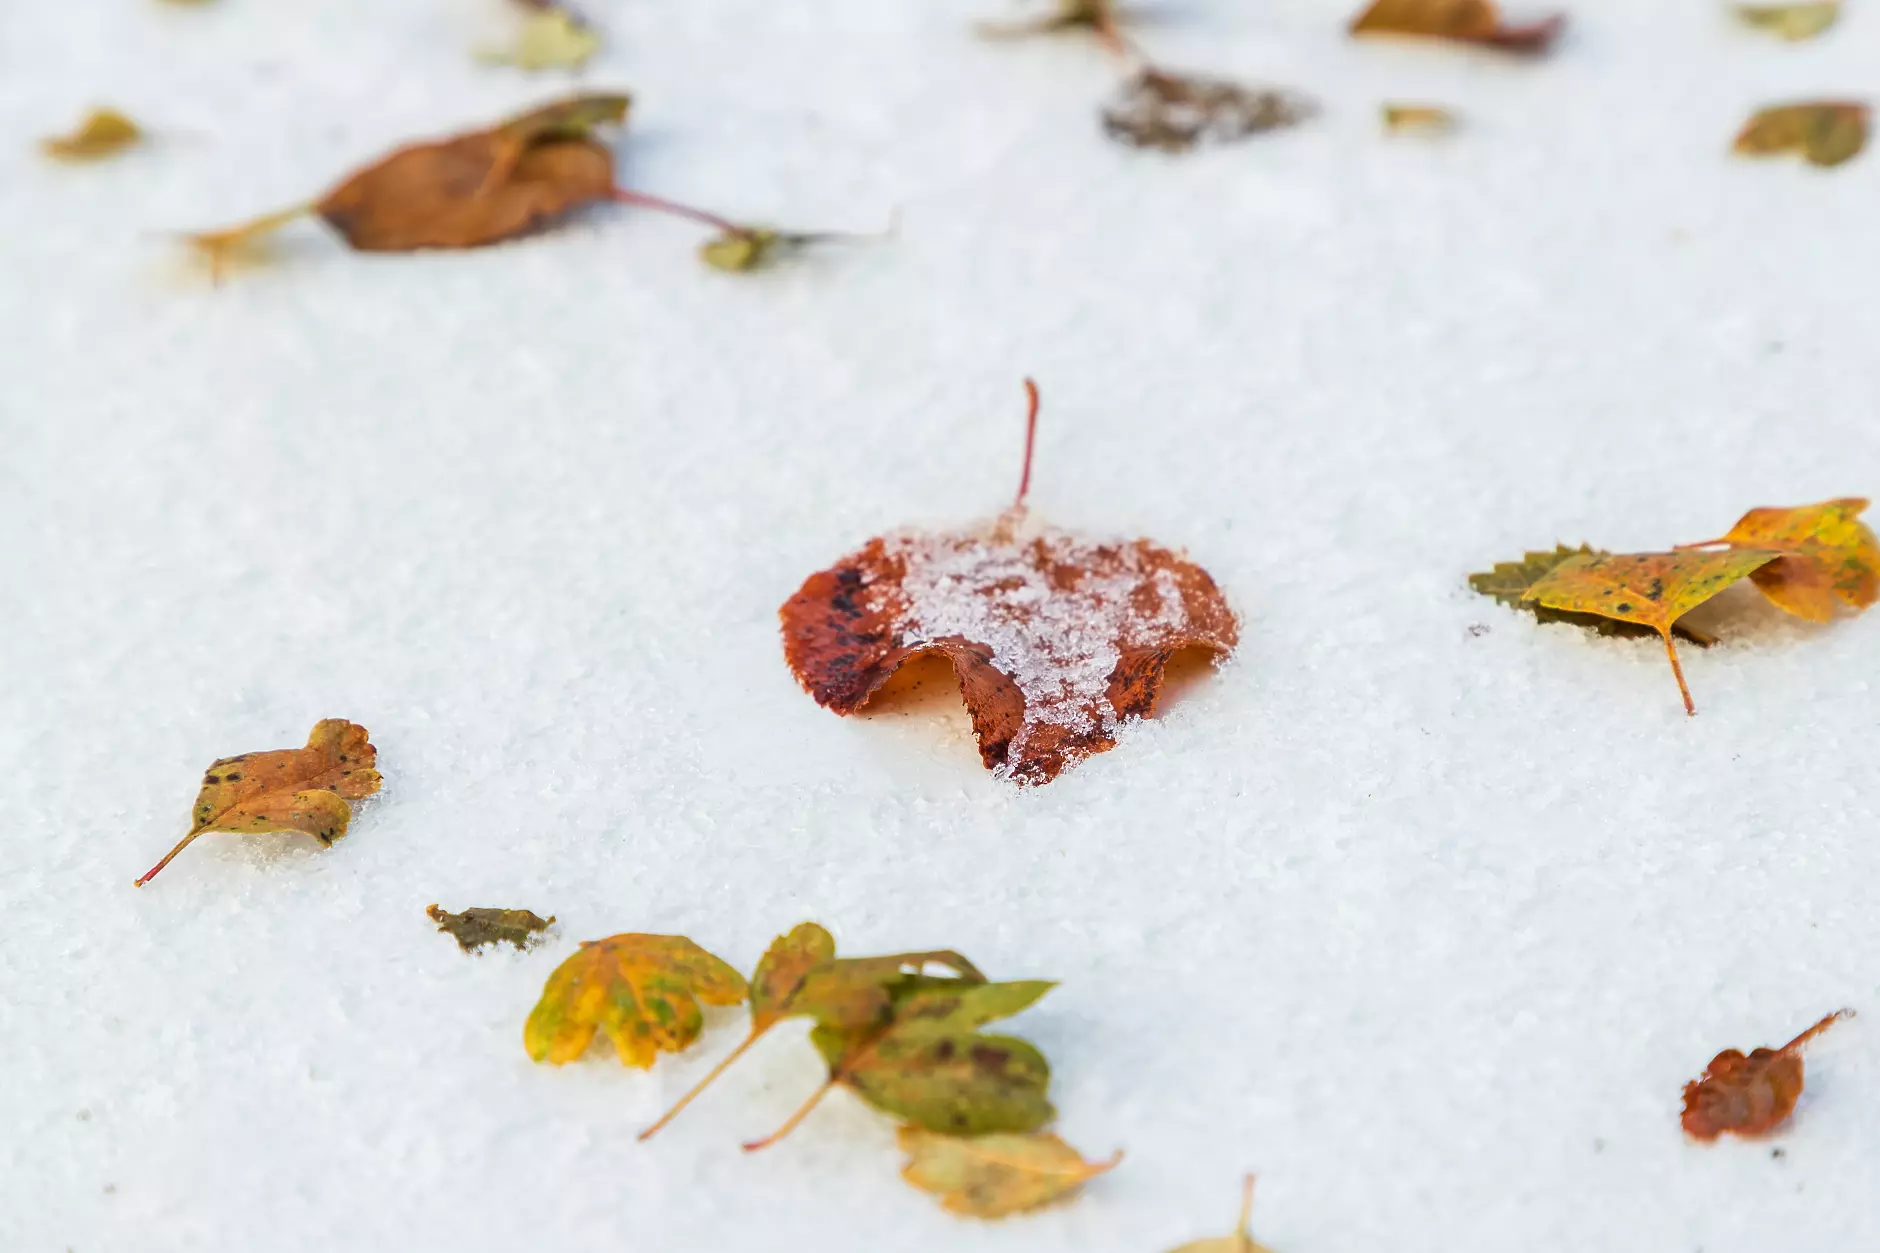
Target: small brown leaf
[[288, 789], [1460, 21], [1173, 112], [103, 133], [474, 928], [1825, 132], [1057, 641], [992, 1176], [1748, 1096]]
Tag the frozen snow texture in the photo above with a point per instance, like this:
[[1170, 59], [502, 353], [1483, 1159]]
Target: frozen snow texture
[[1427, 926]]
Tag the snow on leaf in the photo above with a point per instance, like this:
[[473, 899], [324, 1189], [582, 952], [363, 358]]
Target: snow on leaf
[[995, 1175], [475, 927], [1824, 132], [1791, 21], [1829, 556], [1156, 108], [644, 991], [1241, 1241], [1652, 589], [288, 789], [800, 974], [1509, 581], [1748, 1096], [1057, 641], [1461, 21], [103, 133], [929, 1065]]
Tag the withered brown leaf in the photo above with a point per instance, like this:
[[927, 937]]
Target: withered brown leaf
[[1155, 108], [1460, 21], [1748, 1096], [1824, 132], [1057, 641], [475, 927]]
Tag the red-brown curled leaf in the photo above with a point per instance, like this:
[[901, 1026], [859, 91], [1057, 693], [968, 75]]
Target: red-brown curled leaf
[[1056, 640], [1748, 1096]]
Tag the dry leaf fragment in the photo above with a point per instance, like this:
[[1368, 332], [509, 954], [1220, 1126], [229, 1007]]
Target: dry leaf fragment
[[1462, 21], [550, 38], [1428, 118], [1509, 581], [995, 1175], [475, 927], [744, 248], [1241, 1241], [1154, 108], [642, 990], [1825, 132], [1749, 1095], [1791, 21], [102, 133], [1828, 555], [929, 1065], [1057, 641], [800, 974], [1097, 16], [1652, 589], [287, 789]]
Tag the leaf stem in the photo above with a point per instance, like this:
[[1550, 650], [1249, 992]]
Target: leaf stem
[[1031, 439], [1816, 1030], [659, 204], [180, 846], [1245, 1230], [1671, 651], [791, 1123], [702, 1084]]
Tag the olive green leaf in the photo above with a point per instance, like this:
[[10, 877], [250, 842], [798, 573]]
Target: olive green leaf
[[475, 927]]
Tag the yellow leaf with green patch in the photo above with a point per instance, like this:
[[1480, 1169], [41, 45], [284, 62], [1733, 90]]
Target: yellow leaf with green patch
[[1509, 581], [1791, 21], [288, 789], [1828, 555], [994, 1175], [644, 991], [1651, 589], [1824, 132]]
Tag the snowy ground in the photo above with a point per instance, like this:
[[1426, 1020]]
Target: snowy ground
[[1427, 926]]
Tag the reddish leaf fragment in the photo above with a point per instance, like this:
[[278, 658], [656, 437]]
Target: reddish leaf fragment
[[1057, 641], [1749, 1095]]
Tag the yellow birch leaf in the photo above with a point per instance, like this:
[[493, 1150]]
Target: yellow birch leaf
[[1827, 555], [1428, 118], [103, 133], [642, 990], [288, 789], [1824, 132], [995, 1175], [1651, 589], [1791, 21]]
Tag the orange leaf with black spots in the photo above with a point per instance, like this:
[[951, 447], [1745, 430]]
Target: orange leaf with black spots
[[1057, 641], [288, 789], [1748, 1096]]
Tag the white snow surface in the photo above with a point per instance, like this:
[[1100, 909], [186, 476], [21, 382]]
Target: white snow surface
[[1421, 910]]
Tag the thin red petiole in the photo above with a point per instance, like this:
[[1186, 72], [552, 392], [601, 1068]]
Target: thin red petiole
[[1031, 438], [1671, 651], [167, 857], [1246, 1207], [659, 204], [700, 1086], [1816, 1030]]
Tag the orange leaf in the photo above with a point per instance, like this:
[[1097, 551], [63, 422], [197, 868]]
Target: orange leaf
[[289, 789], [1652, 589], [1749, 1095], [1828, 554], [1463, 21], [1057, 641]]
